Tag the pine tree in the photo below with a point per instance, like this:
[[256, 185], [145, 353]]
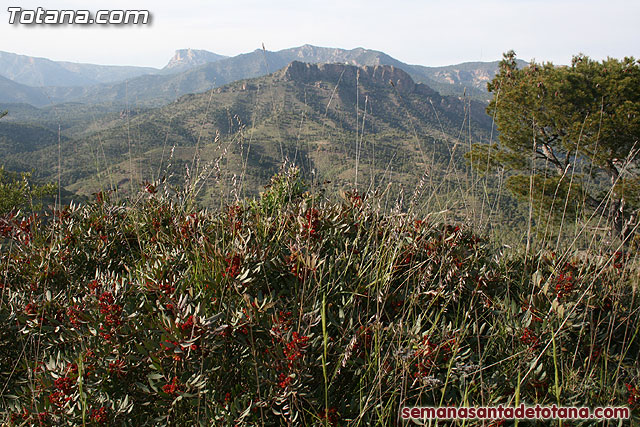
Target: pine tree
[[575, 128]]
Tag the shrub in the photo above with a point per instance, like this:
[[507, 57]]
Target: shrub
[[295, 310]]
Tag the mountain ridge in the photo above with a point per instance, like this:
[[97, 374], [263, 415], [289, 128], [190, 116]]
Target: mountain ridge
[[309, 112], [13, 92], [184, 59], [42, 72], [165, 86]]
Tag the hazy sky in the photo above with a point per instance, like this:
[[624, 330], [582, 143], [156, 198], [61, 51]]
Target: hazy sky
[[428, 32]]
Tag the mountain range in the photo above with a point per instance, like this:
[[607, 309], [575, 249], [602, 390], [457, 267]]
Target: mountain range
[[352, 117], [194, 71], [12, 92], [41, 72], [339, 122], [184, 59]]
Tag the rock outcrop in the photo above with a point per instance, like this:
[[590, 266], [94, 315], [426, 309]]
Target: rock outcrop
[[375, 75], [184, 59]]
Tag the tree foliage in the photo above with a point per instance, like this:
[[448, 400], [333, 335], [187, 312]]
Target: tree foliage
[[17, 192], [575, 127]]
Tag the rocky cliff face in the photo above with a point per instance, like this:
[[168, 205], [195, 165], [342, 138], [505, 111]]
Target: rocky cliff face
[[184, 59], [358, 56], [375, 75], [475, 78]]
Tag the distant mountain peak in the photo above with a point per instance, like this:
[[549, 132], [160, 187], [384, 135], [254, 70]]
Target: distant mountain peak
[[357, 56], [38, 72], [183, 59]]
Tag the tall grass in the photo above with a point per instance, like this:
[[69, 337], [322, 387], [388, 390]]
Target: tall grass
[[300, 307]]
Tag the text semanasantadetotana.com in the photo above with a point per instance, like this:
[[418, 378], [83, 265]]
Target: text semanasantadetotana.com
[[510, 413], [41, 16]]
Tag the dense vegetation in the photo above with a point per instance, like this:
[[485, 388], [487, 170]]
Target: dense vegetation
[[306, 304], [18, 192], [334, 120], [291, 310], [570, 137]]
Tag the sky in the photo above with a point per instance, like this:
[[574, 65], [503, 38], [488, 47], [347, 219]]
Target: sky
[[427, 32]]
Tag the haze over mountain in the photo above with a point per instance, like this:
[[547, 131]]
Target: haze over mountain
[[39, 72], [185, 59], [358, 107], [194, 71], [13, 92], [328, 118]]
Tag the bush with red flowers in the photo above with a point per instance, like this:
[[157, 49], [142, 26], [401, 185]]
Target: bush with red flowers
[[295, 310]]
